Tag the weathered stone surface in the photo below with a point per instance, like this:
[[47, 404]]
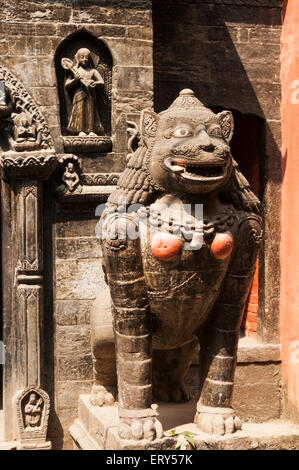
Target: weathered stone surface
[[45, 96], [30, 32], [249, 351], [120, 16], [35, 71], [79, 279], [73, 312], [68, 392], [35, 11], [131, 51], [78, 248], [231, 33], [131, 101], [257, 402], [99, 30], [74, 368], [70, 338], [265, 35], [72, 226], [138, 78], [140, 32]]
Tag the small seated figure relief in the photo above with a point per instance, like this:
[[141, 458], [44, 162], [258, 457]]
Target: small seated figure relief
[[26, 134], [33, 411], [70, 177], [84, 119], [25, 130]]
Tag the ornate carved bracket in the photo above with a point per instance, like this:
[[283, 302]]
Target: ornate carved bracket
[[28, 164], [87, 144]]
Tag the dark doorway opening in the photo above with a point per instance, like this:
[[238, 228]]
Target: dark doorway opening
[[247, 147]]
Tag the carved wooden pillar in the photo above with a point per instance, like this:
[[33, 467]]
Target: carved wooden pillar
[[27, 249], [22, 254]]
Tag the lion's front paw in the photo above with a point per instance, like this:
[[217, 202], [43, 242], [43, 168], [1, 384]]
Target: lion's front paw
[[217, 420], [145, 428], [171, 391], [102, 396]]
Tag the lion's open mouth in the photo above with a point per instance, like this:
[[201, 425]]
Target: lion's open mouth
[[206, 170]]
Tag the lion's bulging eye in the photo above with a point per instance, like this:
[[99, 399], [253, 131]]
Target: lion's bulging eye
[[215, 132], [182, 132]]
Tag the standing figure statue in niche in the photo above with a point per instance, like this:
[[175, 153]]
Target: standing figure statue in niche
[[84, 119]]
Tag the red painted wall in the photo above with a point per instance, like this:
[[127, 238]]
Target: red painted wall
[[289, 252]]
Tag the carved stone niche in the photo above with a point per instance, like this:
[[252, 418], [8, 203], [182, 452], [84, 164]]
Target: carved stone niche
[[22, 126], [83, 66], [76, 186], [32, 411], [28, 164]]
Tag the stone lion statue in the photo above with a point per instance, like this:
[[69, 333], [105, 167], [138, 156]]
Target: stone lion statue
[[180, 238]]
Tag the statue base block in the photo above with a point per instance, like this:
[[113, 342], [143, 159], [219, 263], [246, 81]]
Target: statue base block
[[47, 445], [96, 429], [87, 144]]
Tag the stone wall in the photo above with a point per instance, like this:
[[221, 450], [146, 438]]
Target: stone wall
[[30, 32], [228, 52]]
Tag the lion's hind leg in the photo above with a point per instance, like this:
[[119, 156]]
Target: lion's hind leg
[[170, 367], [104, 388]]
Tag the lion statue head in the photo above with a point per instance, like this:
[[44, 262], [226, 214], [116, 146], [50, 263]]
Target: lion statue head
[[184, 150]]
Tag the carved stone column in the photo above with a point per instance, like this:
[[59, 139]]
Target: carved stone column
[[23, 283]]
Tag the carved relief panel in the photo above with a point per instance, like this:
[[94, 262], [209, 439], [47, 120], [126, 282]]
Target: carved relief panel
[[32, 412], [84, 69], [22, 126]]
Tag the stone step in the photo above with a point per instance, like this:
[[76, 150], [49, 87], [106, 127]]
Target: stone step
[[96, 428]]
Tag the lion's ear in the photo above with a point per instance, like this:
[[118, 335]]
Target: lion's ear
[[148, 124], [227, 124]]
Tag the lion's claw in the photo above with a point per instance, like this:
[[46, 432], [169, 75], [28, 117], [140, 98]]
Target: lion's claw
[[102, 396], [137, 429], [218, 423]]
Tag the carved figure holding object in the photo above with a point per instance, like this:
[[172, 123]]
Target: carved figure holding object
[[84, 119]]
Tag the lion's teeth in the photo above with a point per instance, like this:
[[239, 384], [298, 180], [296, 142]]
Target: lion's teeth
[[178, 168]]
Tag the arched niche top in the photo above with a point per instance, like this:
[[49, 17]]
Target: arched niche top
[[102, 61], [22, 125]]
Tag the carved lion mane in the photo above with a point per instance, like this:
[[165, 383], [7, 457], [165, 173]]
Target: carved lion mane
[[135, 187]]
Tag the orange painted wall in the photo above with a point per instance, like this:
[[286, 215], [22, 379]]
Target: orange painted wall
[[289, 252]]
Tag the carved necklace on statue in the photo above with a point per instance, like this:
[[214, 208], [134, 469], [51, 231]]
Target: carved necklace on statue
[[167, 241]]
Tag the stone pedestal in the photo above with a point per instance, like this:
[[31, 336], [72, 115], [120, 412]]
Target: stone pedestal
[[96, 429]]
